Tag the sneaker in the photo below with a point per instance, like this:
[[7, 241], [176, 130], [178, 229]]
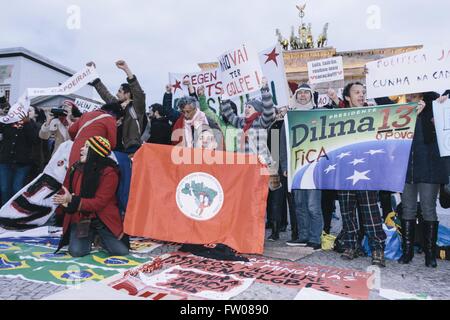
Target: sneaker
[[378, 258], [297, 243], [349, 254], [314, 246]]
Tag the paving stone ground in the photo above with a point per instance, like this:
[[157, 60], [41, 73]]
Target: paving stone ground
[[414, 278]]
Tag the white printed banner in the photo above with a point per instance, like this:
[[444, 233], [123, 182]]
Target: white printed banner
[[326, 70], [413, 72], [72, 85]]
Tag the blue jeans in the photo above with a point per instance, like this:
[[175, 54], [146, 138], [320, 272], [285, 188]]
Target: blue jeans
[[12, 180], [82, 247], [308, 209]]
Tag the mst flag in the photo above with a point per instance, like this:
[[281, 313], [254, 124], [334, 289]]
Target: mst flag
[[350, 149], [176, 201]]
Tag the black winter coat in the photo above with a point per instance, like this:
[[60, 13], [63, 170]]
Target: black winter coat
[[17, 143]]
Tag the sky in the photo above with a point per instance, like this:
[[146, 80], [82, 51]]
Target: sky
[[156, 37]]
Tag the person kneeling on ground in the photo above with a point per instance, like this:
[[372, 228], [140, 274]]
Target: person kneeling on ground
[[90, 205]]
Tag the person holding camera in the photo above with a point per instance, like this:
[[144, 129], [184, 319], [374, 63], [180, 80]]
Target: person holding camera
[[57, 125]]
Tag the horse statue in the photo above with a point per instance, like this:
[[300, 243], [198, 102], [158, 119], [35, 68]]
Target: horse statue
[[303, 33], [309, 37], [323, 38], [283, 41], [294, 41]]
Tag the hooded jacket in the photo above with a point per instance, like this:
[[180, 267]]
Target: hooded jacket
[[133, 121]]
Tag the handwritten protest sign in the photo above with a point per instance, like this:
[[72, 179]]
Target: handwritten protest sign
[[86, 106], [240, 72], [442, 123], [413, 72], [341, 282], [326, 70], [208, 79], [198, 283], [272, 64]]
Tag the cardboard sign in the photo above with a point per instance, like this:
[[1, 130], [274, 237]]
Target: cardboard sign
[[240, 72], [442, 123], [326, 70], [413, 72]]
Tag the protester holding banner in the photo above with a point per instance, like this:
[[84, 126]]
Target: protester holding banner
[[132, 99], [274, 132], [57, 125], [230, 133], [186, 131], [259, 115], [424, 177], [16, 145], [160, 129], [89, 202], [365, 201], [307, 203]]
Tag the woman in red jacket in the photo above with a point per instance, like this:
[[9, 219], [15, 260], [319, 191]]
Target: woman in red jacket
[[90, 204]]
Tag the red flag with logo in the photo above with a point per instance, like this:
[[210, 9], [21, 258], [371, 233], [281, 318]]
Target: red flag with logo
[[177, 195]]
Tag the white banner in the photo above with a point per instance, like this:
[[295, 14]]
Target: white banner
[[208, 79], [442, 123], [413, 72], [86, 106], [272, 64], [75, 83], [326, 70], [240, 71]]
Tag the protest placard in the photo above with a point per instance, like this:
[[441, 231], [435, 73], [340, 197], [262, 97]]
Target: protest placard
[[413, 72], [326, 70], [442, 123], [240, 71]]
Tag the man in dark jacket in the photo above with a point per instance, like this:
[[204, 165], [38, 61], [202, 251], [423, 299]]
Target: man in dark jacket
[[160, 128], [132, 98], [16, 143]]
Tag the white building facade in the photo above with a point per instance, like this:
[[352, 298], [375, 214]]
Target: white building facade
[[21, 69]]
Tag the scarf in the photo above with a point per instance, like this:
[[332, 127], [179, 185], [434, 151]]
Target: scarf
[[248, 124], [195, 123]]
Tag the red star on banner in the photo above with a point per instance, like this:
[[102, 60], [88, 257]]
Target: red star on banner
[[272, 56], [176, 86]]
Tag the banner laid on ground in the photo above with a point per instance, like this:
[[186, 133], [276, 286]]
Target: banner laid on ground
[[340, 282], [197, 283], [200, 203], [442, 124], [326, 70], [240, 72], [31, 260], [350, 149], [72, 85], [413, 72]]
